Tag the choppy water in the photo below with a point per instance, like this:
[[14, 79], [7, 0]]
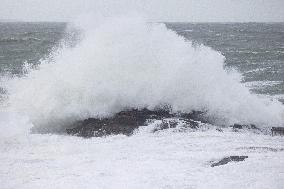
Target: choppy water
[[254, 49], [26, 42]]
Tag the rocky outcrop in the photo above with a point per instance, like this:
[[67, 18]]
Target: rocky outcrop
[[243, 127], [277, 131], [229, 159], [125, 122]]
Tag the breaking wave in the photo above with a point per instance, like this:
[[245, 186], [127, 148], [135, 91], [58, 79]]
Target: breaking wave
[[22, 39], [128, 62]]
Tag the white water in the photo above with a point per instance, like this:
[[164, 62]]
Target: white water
[[127, 62], [164, 159]]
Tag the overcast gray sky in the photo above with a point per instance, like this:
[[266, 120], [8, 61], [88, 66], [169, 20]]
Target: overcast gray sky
[[156, 10]]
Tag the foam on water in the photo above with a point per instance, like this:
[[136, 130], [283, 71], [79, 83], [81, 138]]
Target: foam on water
[[127, 62], [261, 84]]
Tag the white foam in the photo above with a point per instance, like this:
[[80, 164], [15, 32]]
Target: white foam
[[161, 160], [128, 62], [262, 84]]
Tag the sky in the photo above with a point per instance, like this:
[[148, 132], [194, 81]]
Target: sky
[[155, 10]]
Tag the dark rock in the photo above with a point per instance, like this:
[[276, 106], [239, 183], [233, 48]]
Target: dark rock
[[229, 159], [219, 129], [236, 127], [196, 116], [252, 126], [192, 123], [277, 131], [166, 124], [125, 122]]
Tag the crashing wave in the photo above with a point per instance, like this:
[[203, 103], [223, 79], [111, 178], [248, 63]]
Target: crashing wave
[[128, 62]]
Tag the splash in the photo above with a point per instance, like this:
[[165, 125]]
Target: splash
[[128, 62]]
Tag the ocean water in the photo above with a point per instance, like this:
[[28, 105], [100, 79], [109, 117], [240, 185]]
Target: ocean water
[[55, 73], [27, 42]]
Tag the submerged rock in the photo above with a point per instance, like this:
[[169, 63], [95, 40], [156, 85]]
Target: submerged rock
[[125, 122], [229, 159], [236, 127], [277, 131]]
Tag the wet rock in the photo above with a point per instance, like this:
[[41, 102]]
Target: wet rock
[[219, 129], [237, 127], [277, 131], [166, 124], [125, 122], [196, 116], [181, 124], [229, 159]]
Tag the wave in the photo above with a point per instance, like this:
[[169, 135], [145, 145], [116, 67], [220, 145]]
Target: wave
[[128, 62], [262, 84], [22, 39]]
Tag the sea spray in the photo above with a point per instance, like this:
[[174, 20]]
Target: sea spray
[[125, 62]]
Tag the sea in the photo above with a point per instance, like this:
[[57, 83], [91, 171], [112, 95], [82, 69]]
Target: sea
[[53, 73]]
